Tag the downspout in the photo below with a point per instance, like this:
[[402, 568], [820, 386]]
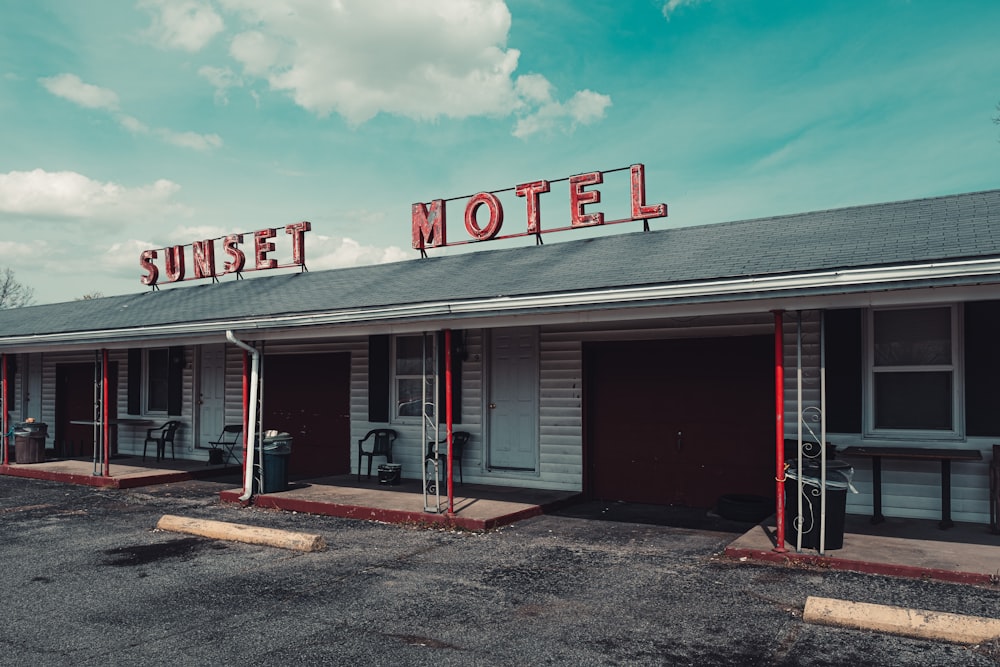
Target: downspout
[[251, 417], [779, 401]]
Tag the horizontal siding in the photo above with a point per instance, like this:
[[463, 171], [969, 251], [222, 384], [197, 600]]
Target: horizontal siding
[[810, 356], [560, 410]]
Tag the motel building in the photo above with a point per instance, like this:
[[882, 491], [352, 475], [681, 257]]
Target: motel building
[[645, 362]]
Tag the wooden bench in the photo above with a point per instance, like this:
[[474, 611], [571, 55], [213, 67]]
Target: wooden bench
[[945, 456]]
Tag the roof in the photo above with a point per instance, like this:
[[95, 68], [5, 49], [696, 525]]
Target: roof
[[906, 233]]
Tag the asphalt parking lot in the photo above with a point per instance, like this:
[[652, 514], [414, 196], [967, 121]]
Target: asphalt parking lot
[[88, 581]]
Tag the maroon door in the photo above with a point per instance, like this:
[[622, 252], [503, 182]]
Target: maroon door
[[680, 421], [308, 396], [76, 401]]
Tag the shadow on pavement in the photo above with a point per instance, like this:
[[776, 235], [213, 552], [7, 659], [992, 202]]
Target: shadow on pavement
[[658, 515]]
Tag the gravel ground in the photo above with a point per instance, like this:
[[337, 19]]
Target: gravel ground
[[88, 581]]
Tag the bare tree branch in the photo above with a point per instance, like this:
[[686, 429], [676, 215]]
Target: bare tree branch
[[12, 293]]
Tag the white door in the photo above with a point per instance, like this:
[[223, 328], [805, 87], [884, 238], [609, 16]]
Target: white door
[[212, 396], [33, 391], [513, 399]]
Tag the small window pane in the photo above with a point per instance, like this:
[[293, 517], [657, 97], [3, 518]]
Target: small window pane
[[918, 337], [157, 374], [408, 352], [914, 401], [409, 396]]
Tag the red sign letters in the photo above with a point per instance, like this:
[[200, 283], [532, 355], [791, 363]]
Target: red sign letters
[[203, 255], [429, 229]]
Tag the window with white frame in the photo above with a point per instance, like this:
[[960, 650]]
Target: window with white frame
[[411, 359], [913, 371], [157, 379]]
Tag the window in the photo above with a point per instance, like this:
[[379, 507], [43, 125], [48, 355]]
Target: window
[[412, 359], [157, 379], [395, 370], [913, 371]]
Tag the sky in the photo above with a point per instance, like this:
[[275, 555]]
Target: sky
[[136, 125]]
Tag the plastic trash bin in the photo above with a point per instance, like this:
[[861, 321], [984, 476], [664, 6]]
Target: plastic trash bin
[[29, 442], [276, 448], [390, 474], [838, 481]]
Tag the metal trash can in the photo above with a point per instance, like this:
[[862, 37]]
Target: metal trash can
[[29, 442], [276, 448], [390, 474], [838, 481]]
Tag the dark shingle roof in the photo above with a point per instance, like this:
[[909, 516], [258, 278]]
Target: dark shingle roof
[[908, 232]]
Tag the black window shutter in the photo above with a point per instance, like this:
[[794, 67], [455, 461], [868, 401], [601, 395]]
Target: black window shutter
[[844, 370], [982, 366], [456, 377], [378, 378], [134, 381], [175, 380]]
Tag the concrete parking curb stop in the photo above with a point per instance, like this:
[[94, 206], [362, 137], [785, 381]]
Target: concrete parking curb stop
[[235, 532], [918, 623]]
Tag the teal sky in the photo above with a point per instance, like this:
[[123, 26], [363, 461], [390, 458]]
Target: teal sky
[[129, 126]]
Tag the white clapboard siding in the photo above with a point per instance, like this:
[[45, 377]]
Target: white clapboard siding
[[810, 355], [560, 410]]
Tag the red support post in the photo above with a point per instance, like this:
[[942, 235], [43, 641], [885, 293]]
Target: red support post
[[448, 417], [246, 413], [6, 410], [105, 415], [779, 401]]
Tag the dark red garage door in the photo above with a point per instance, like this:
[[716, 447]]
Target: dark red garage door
[[308, 396], [680, 421]]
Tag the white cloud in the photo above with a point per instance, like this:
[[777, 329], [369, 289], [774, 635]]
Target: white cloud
[[70, 87], [222, 79], [199, 142], [182, 24], [420, 60], [131, 124], [584, 108], [332, 252], [67, 194], [672, 6], [416, 59]]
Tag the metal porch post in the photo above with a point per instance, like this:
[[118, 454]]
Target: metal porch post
[[6, 410], [448, 418], [105, 416], [779, 400], [246, 418]]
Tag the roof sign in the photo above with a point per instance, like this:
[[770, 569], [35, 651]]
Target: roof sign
[[429, 221], [203, 255]]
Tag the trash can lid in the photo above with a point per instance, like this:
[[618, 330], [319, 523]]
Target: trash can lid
[[839, 474]]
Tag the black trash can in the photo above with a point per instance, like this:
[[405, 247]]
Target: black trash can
[[838, 481], [29, 442], [276, 449], [390, 474]]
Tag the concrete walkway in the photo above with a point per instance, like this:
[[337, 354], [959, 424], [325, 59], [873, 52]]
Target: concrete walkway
[[475, 507], [966, 553]]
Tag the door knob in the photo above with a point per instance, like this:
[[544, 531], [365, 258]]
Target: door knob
[[680, 440]]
